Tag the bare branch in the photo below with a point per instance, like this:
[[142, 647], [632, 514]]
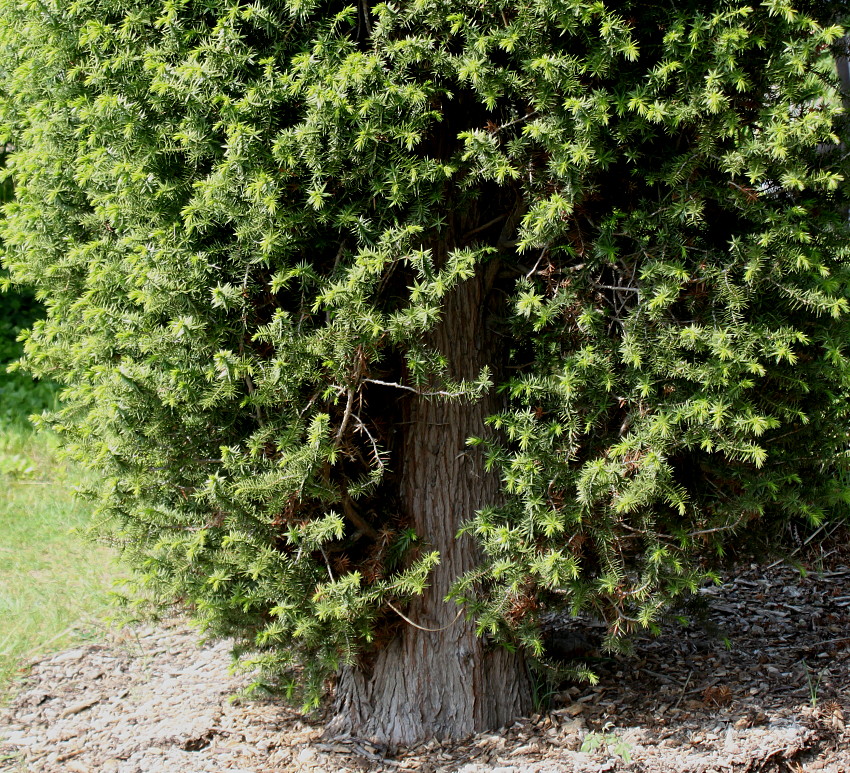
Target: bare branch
[[374, 443], [619, 288], [346, 416], [533, 270], [355, 517], [416, 625], [526, 117], [412, 389], [485, 226]]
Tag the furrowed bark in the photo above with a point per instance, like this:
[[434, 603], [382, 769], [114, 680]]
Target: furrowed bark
[[447, 683]]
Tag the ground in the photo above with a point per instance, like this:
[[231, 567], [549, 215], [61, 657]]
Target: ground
[[761, 684]]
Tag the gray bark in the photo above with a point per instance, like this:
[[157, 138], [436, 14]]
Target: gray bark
[[444, 684]]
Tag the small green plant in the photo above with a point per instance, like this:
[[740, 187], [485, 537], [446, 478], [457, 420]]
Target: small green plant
[[608, 740], [543, 690], [547, 677], [813, 683]]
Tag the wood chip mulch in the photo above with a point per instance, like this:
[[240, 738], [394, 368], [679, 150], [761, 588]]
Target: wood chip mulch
[[762, 684]]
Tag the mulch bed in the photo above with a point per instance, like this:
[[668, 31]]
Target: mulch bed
[[761, 684]]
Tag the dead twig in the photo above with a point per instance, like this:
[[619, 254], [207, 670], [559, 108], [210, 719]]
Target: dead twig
[[412, 389], [421, 628], [684, 690]]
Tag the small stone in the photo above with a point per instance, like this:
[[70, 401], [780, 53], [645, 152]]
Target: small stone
[[307, 755], [64, 657], [20, 738], [573, 727]]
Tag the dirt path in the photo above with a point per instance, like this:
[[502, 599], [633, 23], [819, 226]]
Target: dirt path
[[737, 699]]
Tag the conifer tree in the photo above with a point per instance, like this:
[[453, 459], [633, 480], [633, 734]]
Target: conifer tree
[[392, 326]]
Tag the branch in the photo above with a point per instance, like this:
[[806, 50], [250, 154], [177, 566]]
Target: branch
[[356, 518], [485, 226], [412, 389], [347, 416], [522, 118], [375, 450], [534, 269], [727, 527], [622, 288], [307, 407], [427, 630]]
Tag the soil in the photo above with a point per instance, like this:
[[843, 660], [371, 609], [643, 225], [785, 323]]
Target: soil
[[762, 684]]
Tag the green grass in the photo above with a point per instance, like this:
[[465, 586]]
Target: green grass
[[54, 584]]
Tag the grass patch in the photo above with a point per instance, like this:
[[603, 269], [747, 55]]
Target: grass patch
[[54, 584]]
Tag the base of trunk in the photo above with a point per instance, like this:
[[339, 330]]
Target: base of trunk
[[417, 691]]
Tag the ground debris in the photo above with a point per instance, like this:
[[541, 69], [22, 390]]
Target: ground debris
[[758, 685]]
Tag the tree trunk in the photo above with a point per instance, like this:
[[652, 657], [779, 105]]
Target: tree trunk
[[443, 684]]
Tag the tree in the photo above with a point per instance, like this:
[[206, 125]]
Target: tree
[[393, 325]]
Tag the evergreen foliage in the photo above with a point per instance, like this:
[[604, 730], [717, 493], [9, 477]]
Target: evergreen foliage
[[230, 210]]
